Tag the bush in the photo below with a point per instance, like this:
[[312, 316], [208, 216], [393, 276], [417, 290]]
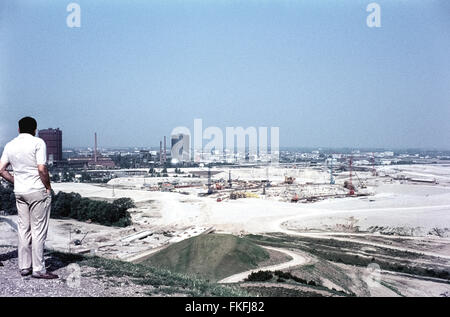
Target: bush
[[7, 199], [260, 276], [283, 275], [286, 276], [72, 205]]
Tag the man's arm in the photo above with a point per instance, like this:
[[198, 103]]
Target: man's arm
[[41, 159], [4, 173], [4, 162], [45, 177]]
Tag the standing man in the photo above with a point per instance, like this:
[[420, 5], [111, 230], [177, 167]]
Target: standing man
[[27, 155]]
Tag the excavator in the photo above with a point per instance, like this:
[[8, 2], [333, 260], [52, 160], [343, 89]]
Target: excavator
[[361, 183]]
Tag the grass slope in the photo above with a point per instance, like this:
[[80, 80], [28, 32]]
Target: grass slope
[[212, 256], [166, 282]]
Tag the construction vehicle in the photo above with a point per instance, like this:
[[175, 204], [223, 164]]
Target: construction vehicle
[[361, 183], [78, 241], [350, 187], [236, 195], [289, 179]]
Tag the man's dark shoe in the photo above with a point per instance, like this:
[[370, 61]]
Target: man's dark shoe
[[45, 276], [25, 272]]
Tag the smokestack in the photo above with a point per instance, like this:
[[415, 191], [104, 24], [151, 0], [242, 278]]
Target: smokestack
[[165, 157], [95, 148], [160, 152]]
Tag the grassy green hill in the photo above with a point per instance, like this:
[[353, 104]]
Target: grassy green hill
[[160, 282], [212, 256]]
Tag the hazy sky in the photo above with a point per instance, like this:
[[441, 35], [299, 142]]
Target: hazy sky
[[137, 69]]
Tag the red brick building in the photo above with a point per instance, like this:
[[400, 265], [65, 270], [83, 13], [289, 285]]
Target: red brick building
[[53, 140]]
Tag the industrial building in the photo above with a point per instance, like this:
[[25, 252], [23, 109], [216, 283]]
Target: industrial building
[[97, 161], [53, 141]]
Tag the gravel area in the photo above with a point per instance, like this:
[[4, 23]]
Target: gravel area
[[91, 281]]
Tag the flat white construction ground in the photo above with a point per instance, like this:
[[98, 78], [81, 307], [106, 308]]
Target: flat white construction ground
[[416, 206]]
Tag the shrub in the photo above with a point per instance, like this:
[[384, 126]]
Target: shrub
[[286, 276], [72, 205], [7, 199], [260, 276]]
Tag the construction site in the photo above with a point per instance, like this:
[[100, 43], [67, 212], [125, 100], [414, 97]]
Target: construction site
[[291, 183]]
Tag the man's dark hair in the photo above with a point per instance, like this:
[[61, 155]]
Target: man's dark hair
[[27, 125]]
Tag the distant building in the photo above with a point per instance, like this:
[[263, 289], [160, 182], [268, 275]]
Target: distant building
[[89, 162], [53, 140], [180, 147]]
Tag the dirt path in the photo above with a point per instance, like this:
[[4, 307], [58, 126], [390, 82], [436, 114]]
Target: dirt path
[[297, 259]]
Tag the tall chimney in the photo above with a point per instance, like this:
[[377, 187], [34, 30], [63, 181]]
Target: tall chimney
[[165, 157], [95, 148]]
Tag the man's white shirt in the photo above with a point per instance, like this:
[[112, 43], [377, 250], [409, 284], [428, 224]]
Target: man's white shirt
[[24, 153]]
